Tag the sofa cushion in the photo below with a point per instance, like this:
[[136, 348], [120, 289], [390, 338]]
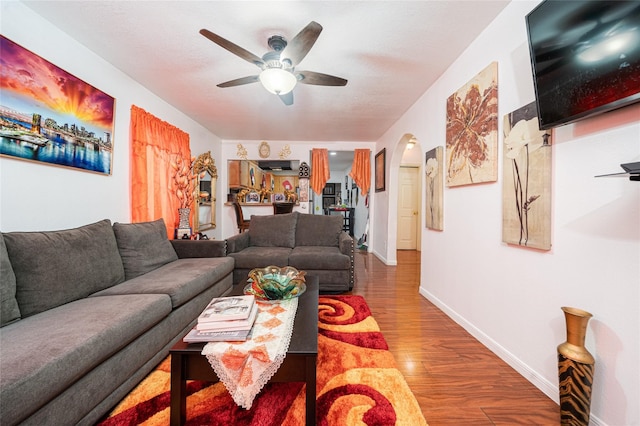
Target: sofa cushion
[[181, 280], [143, 246], [43, 355], [273, 231], [259, 257], [315, 230], [318, 257], [9, 310], [57, 267]]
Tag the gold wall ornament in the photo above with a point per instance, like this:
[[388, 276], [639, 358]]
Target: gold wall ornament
[[264, 150], [285, 152], [205, 165], [242, 152]]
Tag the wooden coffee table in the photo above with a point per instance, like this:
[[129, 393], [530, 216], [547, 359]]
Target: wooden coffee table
[[188, 363]]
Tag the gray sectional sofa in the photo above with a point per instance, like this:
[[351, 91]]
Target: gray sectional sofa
[[88, 312], [312, 243]]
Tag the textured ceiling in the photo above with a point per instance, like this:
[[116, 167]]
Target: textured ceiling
[[389, 51]]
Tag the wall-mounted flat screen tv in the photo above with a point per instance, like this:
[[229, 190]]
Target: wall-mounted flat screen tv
[[585, 57]]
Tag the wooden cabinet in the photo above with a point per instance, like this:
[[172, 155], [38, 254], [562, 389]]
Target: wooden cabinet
[[281, 181], [240, 174], [235, 180], [247, 174]]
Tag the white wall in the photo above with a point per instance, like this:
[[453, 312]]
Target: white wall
[[35, 196], [509, 297]]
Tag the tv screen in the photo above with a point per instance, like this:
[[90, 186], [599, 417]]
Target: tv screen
[[585, 57]]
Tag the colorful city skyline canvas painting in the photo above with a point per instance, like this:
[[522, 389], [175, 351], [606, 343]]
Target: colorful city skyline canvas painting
[[48, 115]]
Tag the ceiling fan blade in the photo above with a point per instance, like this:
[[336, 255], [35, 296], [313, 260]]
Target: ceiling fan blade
[[240, 81], [300, 45], [233, 48], [287, 98], [319, 79]]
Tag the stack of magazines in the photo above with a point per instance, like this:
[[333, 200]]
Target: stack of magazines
[[227, 318]]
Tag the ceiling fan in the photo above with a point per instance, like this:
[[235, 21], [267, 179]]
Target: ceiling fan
[[279, 75]]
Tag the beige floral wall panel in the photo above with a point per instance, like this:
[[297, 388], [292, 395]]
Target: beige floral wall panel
[[472, 130], [526, 187], [434, 171]]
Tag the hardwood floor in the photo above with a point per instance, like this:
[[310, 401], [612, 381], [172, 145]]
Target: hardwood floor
[[456, 380]]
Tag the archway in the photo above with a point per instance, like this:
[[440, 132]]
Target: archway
[[395, 162]]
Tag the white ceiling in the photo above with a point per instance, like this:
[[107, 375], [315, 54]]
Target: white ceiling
[[389, 51]]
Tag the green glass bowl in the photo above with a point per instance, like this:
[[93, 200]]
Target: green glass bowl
[[275, 283]]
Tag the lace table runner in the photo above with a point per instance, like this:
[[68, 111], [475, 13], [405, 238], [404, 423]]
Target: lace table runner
[[245, 367]]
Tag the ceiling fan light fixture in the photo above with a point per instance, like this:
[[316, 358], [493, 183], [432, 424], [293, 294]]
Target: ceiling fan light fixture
[[278, 81], [411, 143]]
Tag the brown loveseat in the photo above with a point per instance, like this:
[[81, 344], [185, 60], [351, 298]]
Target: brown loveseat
[[311, 243]]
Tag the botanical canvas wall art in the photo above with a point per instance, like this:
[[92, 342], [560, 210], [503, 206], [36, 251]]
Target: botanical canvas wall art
[[434, 172], [472, 130], [50, 116], [526, 187]]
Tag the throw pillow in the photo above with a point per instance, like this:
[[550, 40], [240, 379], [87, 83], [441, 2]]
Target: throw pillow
[[143, 246], [273, 231], [57, 267], [9, 310], [316, 230]]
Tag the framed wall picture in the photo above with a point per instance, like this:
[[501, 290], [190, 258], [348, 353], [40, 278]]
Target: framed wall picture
[[253, 197], [328, 202], [53, 117], [526, 183], [380, 171], [434, 179], [472, 130]]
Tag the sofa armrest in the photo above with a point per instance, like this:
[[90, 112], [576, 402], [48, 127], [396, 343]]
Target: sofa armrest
[[199, 248], [346, 244], [347, 247], [238, 242]]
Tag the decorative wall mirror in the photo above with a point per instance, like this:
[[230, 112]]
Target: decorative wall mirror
[[205, 202]]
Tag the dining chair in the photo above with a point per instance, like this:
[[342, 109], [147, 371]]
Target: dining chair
[[243, 224], [282, 208]]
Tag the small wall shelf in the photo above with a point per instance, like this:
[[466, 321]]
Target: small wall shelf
[[631, 170]]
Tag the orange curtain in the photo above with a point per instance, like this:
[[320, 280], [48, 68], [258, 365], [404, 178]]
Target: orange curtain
[[319, 169], [361, 169], [156, 148]]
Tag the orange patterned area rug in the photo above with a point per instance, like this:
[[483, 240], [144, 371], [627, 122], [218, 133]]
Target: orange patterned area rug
[[357, 383]]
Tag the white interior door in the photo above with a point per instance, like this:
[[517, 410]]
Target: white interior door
[[408, 209]]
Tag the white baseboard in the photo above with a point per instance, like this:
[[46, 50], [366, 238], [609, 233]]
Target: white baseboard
[[546, 387], [384, 259]]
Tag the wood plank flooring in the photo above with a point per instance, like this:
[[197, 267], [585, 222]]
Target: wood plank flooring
[[456, 380]]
